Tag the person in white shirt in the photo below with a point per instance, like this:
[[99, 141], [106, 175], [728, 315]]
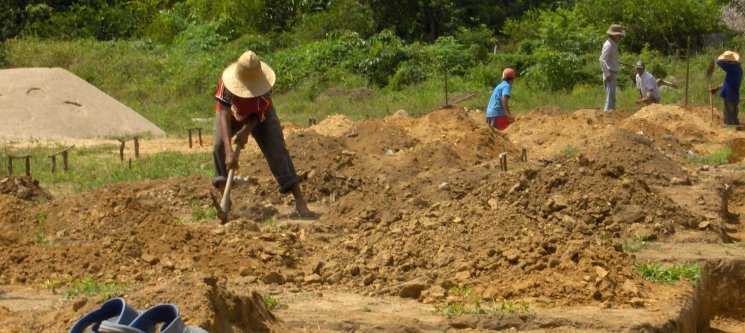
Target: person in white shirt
[[647, 85], [610, 65]]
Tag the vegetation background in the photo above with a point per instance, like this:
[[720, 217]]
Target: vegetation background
[[366, 58]]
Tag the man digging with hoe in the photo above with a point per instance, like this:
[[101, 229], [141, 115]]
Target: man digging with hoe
[[244, 105]]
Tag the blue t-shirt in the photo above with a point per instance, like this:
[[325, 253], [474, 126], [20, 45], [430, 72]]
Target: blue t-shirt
[[731, 85], [495, 102]]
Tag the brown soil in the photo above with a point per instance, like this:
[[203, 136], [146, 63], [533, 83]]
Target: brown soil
[[412, 207]]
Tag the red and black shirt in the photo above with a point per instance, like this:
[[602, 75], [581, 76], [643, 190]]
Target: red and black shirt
[[242, 107]]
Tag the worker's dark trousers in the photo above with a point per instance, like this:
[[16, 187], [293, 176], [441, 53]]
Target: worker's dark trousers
[[269, 138], [730, 113]]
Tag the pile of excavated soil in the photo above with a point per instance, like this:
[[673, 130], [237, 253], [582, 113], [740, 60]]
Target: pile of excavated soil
[[203, 301], [52, 103], [23, 188], [414, 206]]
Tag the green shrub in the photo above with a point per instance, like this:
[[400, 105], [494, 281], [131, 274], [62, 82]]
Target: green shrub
[[272, 303], [670, 274], [571, 151], [341, 16], [383, 54]]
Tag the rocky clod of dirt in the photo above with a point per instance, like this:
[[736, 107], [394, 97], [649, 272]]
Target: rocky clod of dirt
[[25, 188]]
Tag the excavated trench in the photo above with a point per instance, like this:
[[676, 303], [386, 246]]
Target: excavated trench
[[721, 291]]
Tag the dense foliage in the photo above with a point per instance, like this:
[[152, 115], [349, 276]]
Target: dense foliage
[[165, 55]]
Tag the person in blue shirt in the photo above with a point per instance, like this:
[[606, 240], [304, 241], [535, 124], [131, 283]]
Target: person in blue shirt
[[729, 62], [498, 110]]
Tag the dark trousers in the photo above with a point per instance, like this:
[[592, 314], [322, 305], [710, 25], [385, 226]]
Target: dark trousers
[[730, 113], [271, 141]]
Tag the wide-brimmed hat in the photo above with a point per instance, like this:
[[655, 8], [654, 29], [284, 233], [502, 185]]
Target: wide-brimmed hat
[[616, 30], [729, 56], [249, 76]]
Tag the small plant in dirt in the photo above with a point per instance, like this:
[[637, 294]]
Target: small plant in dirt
[[41, 218], [92, 288], [467, 302], [736, 245], [636, 244], [199, 214], [719, 157], [40, 238], [507, 306], [55, 284], [273, 303], [570, 151], [671, 274]]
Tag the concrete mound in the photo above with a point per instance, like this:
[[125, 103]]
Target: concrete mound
[[52, 103]]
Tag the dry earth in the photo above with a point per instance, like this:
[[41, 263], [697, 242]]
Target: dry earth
[[412, 208]]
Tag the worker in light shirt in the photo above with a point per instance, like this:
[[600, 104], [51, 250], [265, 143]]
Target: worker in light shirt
[[649, 92], [609, 63]]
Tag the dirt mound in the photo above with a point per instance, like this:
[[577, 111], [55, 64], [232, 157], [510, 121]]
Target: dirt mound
[[689, 125], [62, 105], [638, 154], [205, 303], [545, 133], [335, 125], [413, 207], [23, 188]]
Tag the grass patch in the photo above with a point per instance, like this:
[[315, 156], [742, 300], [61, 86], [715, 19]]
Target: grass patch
[[719, 157], [92, 288], [99, 166], [469, 303], [273, 303], [198, 214], [671, 274], [571, 151], [636, 244]]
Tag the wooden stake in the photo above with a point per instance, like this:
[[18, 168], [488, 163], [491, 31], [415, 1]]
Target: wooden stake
[[137, 147]]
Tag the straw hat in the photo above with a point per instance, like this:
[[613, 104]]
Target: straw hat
[[249, 76], [615, 30], [731, 56]]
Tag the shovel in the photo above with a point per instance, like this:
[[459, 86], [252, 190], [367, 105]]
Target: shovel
[[709, 73], [223, 206]]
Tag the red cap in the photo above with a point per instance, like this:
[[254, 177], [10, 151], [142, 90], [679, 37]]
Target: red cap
[[508, 73]]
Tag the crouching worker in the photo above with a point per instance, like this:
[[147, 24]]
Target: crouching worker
[[498, 110], [244, 100], [649, 92]]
